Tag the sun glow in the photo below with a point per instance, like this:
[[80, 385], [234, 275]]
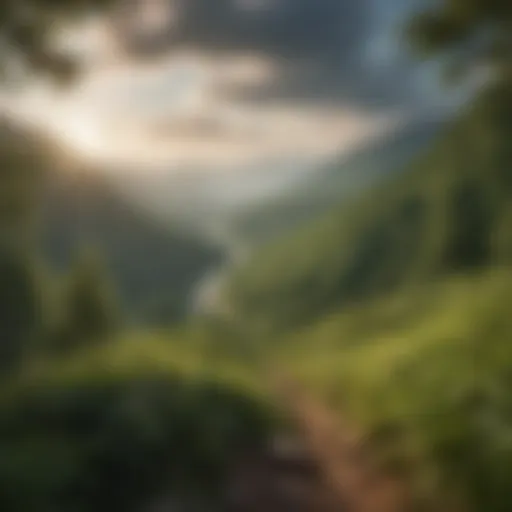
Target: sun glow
[[78, 135]]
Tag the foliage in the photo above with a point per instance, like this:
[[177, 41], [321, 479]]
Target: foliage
[[110, 425], [338, 182], [153, 265], [448, 214], [112, 428], [25, 297], [431, 365], [394, 310], [28, 27], [88, 306], [468, 32], [23, 319]]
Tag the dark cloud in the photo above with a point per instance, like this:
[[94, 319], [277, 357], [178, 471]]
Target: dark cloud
[[318, 45], [328, 30]]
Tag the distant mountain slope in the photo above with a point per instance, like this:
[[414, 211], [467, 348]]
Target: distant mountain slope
[[154, 265], [450, 213], [339, 181]]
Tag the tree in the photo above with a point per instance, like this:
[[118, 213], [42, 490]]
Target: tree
[[28, 27], [89, 312], [23, 299], [469, 34], [22, 308], [466, 33]]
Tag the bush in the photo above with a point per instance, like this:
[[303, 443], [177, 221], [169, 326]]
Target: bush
[[110, 430]]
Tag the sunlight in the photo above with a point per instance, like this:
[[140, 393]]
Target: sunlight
[[84, 136]]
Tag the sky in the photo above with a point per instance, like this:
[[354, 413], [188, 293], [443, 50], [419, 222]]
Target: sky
[[216, 86]]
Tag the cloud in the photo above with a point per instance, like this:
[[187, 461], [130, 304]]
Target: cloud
[[315, 45], [322, 50], [183, 111], [241, 84], [177, 113], [295, 29]]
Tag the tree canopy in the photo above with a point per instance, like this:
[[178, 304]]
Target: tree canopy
[[27, 27], [466, 33]]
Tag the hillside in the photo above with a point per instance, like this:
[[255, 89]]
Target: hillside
[[449, 213], [340, 180], [425, 374], [393, 310], [155, 266]]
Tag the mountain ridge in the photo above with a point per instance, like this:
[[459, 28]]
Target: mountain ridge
[[345, 177], [154, 264], [449, 213]]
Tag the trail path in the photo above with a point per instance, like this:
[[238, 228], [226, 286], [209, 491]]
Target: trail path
[[325, 468]]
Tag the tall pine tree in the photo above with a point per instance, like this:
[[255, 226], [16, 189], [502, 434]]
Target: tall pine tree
[[22, 308], [89, 307]]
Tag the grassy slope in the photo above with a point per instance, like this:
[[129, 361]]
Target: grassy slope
[[395, 310], [342, 180], [433, 367], [449, 214]]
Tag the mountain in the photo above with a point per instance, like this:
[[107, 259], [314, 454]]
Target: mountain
[[154, 264], [208, 201], [394, 310], [327, 187], [448, 213]]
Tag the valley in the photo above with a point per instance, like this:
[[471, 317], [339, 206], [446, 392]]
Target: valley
[[255, 256]]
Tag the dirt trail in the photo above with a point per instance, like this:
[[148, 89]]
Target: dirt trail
[[325, 466], [325, 469], [342, 454]]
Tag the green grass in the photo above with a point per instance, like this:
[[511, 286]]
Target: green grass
[[442, 381], [394, 309]]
